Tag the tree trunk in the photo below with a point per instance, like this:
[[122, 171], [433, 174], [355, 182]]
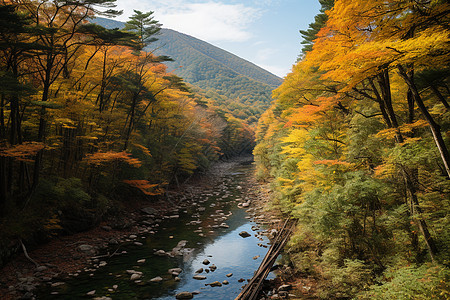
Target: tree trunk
[[439, 95], [416, 212], [435, 128]]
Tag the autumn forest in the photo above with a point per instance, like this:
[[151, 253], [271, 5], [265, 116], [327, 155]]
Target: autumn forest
[[354, 144]]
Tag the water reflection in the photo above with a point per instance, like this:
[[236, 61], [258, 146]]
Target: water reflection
[[222, 246]]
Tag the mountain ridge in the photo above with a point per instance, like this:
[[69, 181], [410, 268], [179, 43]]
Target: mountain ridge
[[234, 83], [264, 76]]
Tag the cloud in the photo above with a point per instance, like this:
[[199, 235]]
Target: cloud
[[277, 70], [265, 54], [210, 21]]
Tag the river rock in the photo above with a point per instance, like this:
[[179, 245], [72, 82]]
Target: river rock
[[213, 268], [102, 298], [138, 243], [229, 274], [106, 228], [59, 283], [141, 261], [184, 295], [199, 277], [156, 279], [177, 278], [149, 210], [91, 293], [199, 270], [161, 253], [135, 276], [285, 287], [244, 234], [225, 282], [177, 250], [215, 283], [87, 249], [175, 270], [206, 262], [40, 269], [113, 241]]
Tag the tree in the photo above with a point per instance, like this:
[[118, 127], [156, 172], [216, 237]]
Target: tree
[[144, 26], [310, 34]]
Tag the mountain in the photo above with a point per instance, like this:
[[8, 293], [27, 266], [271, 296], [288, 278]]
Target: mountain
[[218, 74]]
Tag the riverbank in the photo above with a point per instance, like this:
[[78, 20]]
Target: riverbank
[[67, 257]]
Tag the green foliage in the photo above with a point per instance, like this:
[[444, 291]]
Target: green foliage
[[144, 26], [348, 151], [310, 34], [412, 282]]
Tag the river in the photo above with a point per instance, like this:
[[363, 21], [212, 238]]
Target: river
[[202, 222]]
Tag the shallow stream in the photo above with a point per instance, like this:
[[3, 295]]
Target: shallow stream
[[198, 224]]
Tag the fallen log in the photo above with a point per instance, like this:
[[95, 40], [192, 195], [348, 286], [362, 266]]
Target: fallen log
[[252, 289]]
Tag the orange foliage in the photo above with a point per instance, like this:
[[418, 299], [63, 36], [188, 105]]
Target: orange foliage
[[145, 186], [106, 157], [22, 152]]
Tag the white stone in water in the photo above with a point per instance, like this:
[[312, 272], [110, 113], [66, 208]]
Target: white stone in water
[[141, 261], [160, 252], [175, 270], [132, 236], [199, 277], [91, 293], [115, 287], [156, 279], [135, 276]]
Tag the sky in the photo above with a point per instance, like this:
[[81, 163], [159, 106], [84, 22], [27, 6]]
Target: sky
[[264, 32]]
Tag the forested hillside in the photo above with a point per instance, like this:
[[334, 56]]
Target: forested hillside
[[356, 145], [89, 119], [232, 83]]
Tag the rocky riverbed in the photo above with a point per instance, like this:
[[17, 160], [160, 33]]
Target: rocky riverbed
[[209, 203]]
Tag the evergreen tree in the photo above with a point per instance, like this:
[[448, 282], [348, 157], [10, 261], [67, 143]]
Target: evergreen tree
[[309, 35], [144, 26]]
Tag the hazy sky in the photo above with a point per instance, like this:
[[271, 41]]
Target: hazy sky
[[265, 32]]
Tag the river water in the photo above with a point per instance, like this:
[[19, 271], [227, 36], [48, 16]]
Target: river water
[[198, 225]]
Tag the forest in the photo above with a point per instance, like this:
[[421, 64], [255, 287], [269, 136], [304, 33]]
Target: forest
[[90, 120], [355, 146]]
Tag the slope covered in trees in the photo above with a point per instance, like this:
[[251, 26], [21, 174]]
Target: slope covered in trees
[[88, 119], [214, 72], [356, 147]]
